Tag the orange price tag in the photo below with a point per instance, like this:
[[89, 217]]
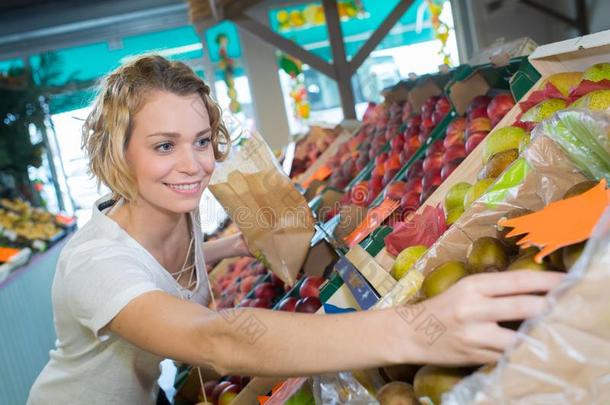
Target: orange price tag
[[556, 226], [321, 174], [6, 253], [374, 217]]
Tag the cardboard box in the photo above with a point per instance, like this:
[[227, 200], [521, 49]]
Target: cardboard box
[[519, 47]]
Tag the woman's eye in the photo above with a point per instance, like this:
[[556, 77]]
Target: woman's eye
[[203, 142], [164, 147]]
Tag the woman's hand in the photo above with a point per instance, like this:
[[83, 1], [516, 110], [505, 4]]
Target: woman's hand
[[462, 323], [240, 248], [230, 246]]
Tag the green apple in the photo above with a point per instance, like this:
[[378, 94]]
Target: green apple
[[453, 215], [476, 191], [503, 139], [455, 196], [406, 259], [597, 100], [597, 72], [543, 110]]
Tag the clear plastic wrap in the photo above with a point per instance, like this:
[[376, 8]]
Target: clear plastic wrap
[[340, 389], [542, 175], [563, 356], [585, 137]]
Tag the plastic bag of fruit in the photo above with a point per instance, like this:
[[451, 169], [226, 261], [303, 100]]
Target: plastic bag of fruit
[[340, 389], [272, 215], [585, 137], [543, 174], [562, 357]]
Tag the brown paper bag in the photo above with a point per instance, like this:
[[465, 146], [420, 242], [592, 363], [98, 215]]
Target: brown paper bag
[[272, 215]]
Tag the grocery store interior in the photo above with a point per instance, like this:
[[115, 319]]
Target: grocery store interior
[[396, 144]]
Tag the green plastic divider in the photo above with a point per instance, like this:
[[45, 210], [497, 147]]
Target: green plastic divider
[[524, 79], [375, 241]]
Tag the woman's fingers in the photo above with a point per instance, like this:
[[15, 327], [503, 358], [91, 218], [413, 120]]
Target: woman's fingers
[[488, 336], [515, 282], [513, 308]]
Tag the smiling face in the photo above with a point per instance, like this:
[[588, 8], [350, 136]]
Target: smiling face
[[170, 151]]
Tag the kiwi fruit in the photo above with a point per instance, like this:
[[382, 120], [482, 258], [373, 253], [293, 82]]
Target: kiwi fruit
[[571, 254], [443, 277], [434, 381], [526, 263], [498, 163], [397, 393], [511, 243], [487, 254]]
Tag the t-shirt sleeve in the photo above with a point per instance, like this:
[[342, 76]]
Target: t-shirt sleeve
[[99, 286]]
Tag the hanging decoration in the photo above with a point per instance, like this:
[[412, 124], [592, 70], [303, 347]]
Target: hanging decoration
[[227, 66], [441, 29], [298, 93], [312, 15]]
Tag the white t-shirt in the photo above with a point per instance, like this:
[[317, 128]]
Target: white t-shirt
[[100, 270]]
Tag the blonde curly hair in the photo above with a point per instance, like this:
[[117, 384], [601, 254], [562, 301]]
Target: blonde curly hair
[[107, 129]]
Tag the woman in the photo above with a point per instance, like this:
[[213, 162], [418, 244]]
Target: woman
[[131, 287]]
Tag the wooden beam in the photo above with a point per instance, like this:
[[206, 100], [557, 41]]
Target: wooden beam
[[379, 34], [268, 35], [342, 71]]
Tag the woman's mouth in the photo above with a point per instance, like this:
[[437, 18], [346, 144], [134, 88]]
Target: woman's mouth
[[184, 188]]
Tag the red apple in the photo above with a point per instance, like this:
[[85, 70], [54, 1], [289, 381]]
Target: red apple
[[443, 105], [261, 303], [311, 287], [288, 304], [379, 170], [416, 170], [410, 200], [220, 387], [426, 194], [473, 140], [478, 125], [308, 304], [426, 124], [393, 162], [208, 387], [388, 176], [435, 147], [455, 138], [454, 152], [478, 112], [375, 182], [433, 163], [395, 190], [499, 106], [431, 180], [482, 100], [437, 117], [457, 125], [264, 290], [381, 158], [415, 184], [414, 121], [412, 144], [228, 394], [449, 167], [397, 142], [276, 281], [412, 130]]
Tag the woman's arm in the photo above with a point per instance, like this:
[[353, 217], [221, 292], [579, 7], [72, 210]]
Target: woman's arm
[[230, 246], [456, 327]]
